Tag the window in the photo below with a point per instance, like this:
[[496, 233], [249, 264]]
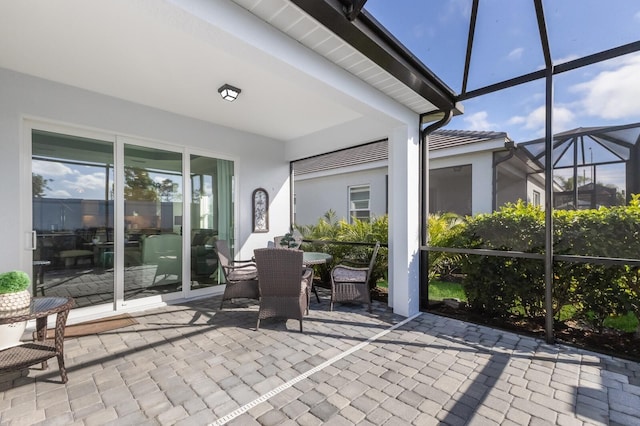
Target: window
[[450, 190], [359, 197], [536, 199]]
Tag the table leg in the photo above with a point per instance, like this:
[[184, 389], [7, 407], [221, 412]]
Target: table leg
[[41, 334]]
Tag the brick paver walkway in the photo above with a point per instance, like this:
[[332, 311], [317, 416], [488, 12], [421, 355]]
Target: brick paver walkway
[[192, 364]]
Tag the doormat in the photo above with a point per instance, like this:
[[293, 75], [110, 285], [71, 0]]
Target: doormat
[[95, 326]]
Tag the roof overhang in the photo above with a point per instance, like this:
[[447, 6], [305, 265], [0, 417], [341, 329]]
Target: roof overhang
[[370, 38]]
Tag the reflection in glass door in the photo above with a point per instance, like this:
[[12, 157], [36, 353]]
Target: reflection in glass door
[[75, 201], [152, 221], [72, 205], [211, 216]]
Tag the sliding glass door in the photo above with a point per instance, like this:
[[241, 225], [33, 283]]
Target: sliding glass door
[[152, 221], [211, 216], [121, 220], [72, 204]]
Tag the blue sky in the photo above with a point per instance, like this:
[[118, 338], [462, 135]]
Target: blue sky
[[507, 45]]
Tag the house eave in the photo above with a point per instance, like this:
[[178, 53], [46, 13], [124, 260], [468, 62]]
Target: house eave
[[371, 39]]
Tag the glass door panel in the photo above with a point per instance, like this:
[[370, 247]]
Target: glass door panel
[[211, 216], [72, 205], [152, 221]]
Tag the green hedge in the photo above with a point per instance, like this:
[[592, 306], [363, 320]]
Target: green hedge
[[501, 286]]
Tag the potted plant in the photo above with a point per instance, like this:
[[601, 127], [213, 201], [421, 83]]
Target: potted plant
[[288, 240], [14, 296]]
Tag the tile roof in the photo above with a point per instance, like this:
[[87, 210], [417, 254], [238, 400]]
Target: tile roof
[[441, 139], [369, 153], [378, 151]]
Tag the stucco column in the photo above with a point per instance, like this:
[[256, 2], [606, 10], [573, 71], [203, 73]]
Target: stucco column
[[404, 228]]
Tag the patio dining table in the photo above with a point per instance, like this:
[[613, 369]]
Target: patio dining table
[[315, 258], [310, 258], [30, 353]]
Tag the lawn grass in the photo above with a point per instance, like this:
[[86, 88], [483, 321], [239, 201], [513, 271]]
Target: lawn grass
[[627, 323], [439, 290]]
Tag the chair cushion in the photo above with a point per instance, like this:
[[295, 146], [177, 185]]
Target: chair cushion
[[242, 274], [349, 275]]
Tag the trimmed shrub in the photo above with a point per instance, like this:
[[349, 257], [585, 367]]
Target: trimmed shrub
[[501, 286]]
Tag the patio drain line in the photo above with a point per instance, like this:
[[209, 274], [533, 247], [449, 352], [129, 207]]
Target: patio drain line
[[227, 418]]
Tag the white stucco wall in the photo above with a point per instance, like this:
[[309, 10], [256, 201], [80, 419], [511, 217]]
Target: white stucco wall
[[316, 196], [258, 160]]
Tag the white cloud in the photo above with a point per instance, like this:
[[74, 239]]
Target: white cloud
[[613, 94], [563, 119], [518, 119], [478, 121], [48, 169], [637, 16], [565, 59], [515, 54], [60, 193], [455, 9], [83, 182]]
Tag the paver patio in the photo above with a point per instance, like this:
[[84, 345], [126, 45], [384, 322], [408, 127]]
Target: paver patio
[[192, 364]]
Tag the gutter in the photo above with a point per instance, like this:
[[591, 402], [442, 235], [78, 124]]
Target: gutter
[[511, 147], [423, 269]]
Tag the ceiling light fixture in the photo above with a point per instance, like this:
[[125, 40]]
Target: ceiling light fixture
[[228, 92]]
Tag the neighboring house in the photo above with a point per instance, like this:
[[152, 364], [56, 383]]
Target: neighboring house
[[470, 172], [473, 172], [351, 182]]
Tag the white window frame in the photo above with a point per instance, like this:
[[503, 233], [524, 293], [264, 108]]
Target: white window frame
[[355, 189], [536, 198]]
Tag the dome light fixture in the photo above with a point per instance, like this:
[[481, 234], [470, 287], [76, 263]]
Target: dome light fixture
[[228, 92]]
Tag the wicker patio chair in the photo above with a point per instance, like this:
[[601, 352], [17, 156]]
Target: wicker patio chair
[[240, 275], [284, 284], [351, 284]]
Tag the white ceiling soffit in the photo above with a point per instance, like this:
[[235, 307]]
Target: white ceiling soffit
[[288, 18], [160, 54]]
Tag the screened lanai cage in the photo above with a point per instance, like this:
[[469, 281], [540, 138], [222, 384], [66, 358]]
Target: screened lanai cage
[[534, 70], [592, 166]]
